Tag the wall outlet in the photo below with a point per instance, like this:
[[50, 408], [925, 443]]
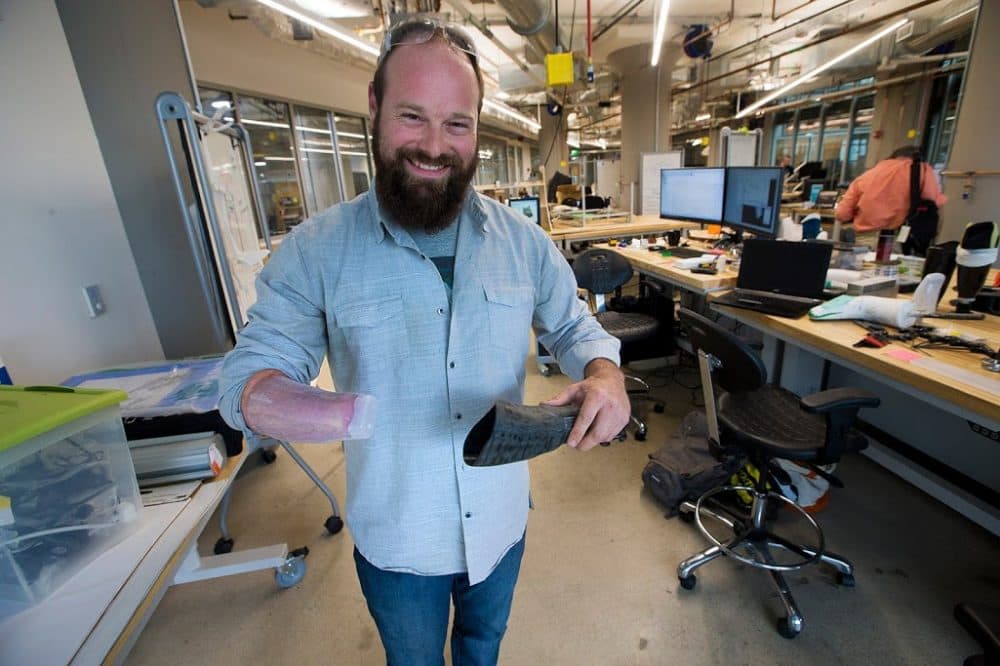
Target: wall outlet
[[95, 302]]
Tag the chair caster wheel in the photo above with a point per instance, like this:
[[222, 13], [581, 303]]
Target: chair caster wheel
[[688, 582], [640, 435], [785, 629], [686, 516], [545, 370], [268, 456], [334, 524], [658, 408], [844, 579], [223, 546]]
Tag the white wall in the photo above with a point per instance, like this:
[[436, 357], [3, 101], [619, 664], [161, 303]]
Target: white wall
[[59, 225], [236, 54]]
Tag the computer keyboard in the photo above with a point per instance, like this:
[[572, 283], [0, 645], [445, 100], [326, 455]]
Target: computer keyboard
[[777, 304], [686, 252]]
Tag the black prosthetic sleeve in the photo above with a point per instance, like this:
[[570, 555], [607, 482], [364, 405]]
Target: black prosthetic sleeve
[[511, 433]]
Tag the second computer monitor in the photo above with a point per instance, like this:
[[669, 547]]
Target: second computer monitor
[[692, 193], [753, 200]]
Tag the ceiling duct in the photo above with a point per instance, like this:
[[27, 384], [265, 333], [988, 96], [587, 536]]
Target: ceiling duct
[[532, 16]]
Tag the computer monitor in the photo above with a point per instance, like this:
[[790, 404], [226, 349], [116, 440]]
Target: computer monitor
[[812, 188], [530, 207], [692, 193], [752, 200]]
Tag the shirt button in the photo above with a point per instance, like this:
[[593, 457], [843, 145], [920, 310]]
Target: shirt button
[[451, 365], [458, 417], [440, 311], [468, 515]]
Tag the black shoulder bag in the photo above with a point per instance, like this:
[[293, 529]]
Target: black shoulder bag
[[922, 216]]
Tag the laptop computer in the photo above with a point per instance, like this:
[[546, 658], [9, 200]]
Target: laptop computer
[[782, 278]]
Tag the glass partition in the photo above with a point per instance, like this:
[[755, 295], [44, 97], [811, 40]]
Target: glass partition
[[857, 146], [267, 122], [354, 144], [317, 162]]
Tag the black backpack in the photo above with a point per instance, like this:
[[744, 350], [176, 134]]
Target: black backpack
[[922, 216], [685, 467]]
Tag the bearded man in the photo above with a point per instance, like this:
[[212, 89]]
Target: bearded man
[[423, 293]]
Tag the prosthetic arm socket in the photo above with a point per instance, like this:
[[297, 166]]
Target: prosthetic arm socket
[[510, 433], [284, 409]]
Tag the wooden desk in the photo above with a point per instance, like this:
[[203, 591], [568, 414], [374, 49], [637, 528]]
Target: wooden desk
[[937, 404], [936, 377], [654, 265], [797, 211], [96, 616], [639, 225]]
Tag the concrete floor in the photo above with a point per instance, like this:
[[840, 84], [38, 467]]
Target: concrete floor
[[598, 584]]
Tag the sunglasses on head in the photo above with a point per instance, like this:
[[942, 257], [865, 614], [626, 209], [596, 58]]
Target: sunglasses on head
[[423, 30]]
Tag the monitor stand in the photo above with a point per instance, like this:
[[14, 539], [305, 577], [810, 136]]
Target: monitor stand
[[728, 241]]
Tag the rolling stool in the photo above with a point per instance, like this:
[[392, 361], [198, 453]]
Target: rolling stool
[[765, 422]]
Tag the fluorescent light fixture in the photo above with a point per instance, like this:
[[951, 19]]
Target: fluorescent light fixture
[[279, 159], [318, 150], [271, 123], [262, 123], [357, 154], [323, 27], [663, 8], [961, 14], [334, 8], [703, 116], [352, 135], [314, 142], [505, 110], [221, 104], [260, 163], [822, 68]]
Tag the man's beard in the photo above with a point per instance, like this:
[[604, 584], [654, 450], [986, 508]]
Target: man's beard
[[419, 203]]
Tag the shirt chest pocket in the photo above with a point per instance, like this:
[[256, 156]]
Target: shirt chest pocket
[[510, 310], [375, 331]]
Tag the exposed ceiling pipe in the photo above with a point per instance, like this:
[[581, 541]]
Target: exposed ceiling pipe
[[789, 26], [677, 90], [529, 13], [516, 59], [625, 11], [531, 29], [812, 100]]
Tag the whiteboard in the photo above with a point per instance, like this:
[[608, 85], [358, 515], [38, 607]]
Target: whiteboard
[[741, 149], [607, 182], [235, 212], [650, 165]]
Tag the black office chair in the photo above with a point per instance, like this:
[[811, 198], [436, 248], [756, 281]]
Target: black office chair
[[642, 336], [763, 422]]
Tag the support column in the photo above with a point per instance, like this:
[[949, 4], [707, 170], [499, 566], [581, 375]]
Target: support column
[[645, 115], [976, 144]]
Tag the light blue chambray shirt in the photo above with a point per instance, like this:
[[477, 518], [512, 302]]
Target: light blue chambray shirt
[[353, 285]]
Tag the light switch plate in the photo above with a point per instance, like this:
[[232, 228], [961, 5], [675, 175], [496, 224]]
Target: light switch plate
[[95, 302]]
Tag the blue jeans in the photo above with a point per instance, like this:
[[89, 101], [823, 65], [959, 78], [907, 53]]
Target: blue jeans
[[411, 612]]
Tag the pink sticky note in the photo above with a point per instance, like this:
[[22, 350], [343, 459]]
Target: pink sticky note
[[901, 354]]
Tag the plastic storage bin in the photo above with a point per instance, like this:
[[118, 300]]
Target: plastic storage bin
[[67, 486]]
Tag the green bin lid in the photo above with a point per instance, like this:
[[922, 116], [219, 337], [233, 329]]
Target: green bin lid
[[29, 411]]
